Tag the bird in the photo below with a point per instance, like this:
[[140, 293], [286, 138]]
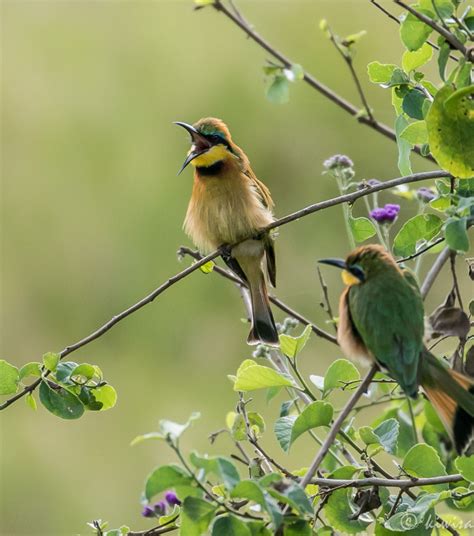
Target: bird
[[229, 210], [381, 320]]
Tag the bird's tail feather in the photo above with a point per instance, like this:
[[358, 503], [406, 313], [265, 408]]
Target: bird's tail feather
[[263, 325], [452, 395]]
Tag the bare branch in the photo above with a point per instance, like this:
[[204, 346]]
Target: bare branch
[[434, 272], [388, 482]]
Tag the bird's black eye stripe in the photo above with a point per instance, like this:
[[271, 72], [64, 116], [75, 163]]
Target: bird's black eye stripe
[[357, 272]]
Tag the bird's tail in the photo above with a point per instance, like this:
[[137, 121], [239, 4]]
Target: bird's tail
[[263, 325], [452, 396]]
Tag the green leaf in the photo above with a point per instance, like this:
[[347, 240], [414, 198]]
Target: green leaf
[[30, 369], [415, 133], [278, 91], [208, 267], [450, 123], [145, 437], [249, 489], [9, 378], [251, 376], [105, 395], [413, 103], [230, 525], [443, 56], [51, 360], [174, 430], [219, 466], [340, 371], [292, 346], [60, 402], [289, 428], [422, 461], [362, 228], [399, 78], [31, 401], [456, 234], [340, 510], [465, 465], [412, 60], [298, 71], [64, 370], [203, 3], [196, 515], [84, 370], [239, 429], [387, 432], [290, 493], [420, 227], [167, 477], [380, 73], [413, 32], [300, 527], [404, 148]]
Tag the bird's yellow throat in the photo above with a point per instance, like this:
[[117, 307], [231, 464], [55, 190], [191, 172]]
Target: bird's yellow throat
[[349, 279], [215, 154]]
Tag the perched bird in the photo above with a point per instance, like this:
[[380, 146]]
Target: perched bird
[[381, 319], [229, 204]]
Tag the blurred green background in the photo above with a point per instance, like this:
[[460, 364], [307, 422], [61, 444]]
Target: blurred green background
[[92, 212]]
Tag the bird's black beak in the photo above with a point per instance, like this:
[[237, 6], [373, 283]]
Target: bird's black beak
[[339, 263], [200, 143]]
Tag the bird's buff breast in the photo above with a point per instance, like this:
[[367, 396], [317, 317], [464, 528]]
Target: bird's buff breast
[[224, 210]]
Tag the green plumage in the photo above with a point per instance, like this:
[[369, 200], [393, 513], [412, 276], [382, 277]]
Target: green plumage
[[387, 312]]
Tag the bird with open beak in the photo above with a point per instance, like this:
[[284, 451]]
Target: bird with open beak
[[228, 206], [381, 320]]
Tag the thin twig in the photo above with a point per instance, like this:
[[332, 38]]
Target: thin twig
[[326, 304], [386, 482], [238, 19], [451, 38], [422, 250], [337, 425]]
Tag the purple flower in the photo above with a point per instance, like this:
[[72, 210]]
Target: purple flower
[[172, 498], [159, 508], [338, 161], [425, 194], [148, 511], [386, 215]]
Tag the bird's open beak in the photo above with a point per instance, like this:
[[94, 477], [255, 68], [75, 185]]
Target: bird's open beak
[[339, 263], [200, 144]]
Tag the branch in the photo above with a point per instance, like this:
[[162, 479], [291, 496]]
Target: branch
[[237, 18], [422, 250], [451, 38], [388, 482], [347, 198], [337, 425], [434, 272]]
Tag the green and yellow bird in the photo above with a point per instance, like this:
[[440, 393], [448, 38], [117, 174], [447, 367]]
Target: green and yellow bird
[[229, 204], [381, 320]]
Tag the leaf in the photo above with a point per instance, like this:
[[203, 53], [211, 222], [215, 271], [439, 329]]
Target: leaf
[[288, 429], [249, 489], [208, 267], [145, 437], [251, 376], [404, 148], [85, 370], [229, 525], [422, 461], [420, 227], [443, 56], [292, 346], [414, 32], [203, 3], [51, 360], [387, 432], [30, 369], [219, 466], [450, 124], [413, 103], [455, 233], [465, 465], [166, 477], [362, 228], [105, 395], [64, 370], [300, 527], [239, 429], [60, 402], [288, 492], [415, 514], [9, 378], [340, 371], [412, 60], [278, 91], [380, 73], [196, 515], [415, 133], [174, 430], [31, 401]]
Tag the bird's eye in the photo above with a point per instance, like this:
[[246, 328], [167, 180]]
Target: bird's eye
[[357, 272]]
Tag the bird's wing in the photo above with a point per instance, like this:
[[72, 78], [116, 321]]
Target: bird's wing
[[270, 256], [262, 191], [388, 316]]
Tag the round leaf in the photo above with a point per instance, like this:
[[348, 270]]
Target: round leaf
[[9, 378], [60, 402]]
